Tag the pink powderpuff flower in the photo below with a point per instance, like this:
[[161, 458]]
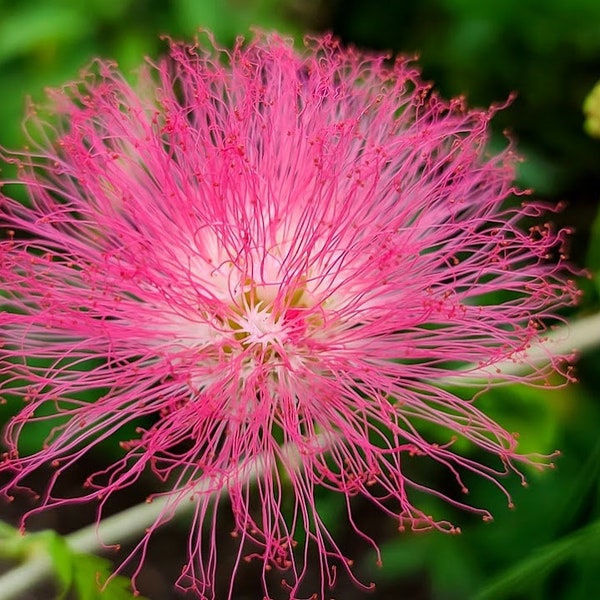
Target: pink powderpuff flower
[[262, 249]]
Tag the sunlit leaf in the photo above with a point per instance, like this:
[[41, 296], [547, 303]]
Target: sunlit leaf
[[35, 26]]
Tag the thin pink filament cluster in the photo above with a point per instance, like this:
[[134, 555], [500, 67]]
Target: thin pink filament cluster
[[263, 248]]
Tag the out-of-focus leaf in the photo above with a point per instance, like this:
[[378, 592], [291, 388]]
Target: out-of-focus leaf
[[107, 9], [537, 172], [403, 556], [91, 580], [593, 253], [230, 18], [86, 575], [34, 26], [591, 109], [61, 557], [525, 573], [535, 413], [215, 15]]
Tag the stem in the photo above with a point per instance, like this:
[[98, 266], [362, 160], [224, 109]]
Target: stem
[[576, 338], [122, 527], [126, 525], [119, 528]]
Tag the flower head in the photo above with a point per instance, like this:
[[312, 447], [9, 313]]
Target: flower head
[[263, 250]]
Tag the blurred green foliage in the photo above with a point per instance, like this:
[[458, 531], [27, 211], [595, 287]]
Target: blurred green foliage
[[548, 52], [84, 576], [46, 43]]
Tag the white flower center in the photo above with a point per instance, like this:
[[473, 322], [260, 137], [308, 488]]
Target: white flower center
[[258, 325]]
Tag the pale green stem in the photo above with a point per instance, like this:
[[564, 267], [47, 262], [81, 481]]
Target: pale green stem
[[581, 335], [118, 529], [577, 338], [126, 525]]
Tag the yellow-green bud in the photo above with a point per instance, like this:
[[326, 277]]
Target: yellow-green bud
[[591, 109]]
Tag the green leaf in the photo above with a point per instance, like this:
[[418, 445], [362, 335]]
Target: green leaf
[[86, 576], [62, 559], [535, 413], [593, 253], [529, 571], [36, 26], [93, 581], [13, 545]]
